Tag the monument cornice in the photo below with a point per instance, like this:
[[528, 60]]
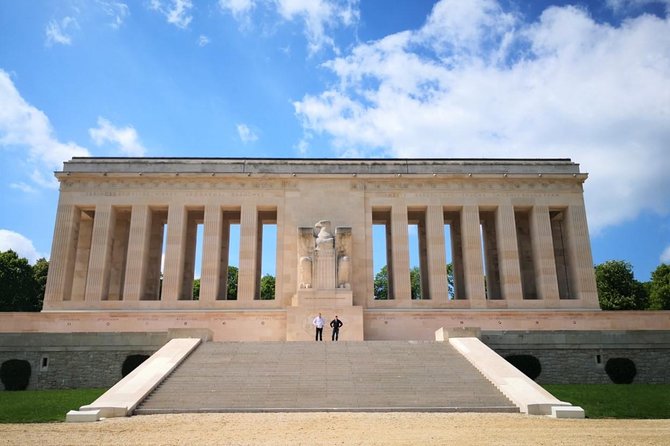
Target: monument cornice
[[92, 182], [319, 167]]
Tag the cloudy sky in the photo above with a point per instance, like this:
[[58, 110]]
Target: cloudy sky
[[583, 80]]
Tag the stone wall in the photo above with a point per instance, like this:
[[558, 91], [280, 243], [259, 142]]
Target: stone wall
[[80, 360], [76, 360], [579, 357]]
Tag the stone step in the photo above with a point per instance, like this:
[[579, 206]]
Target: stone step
[[302, 376]]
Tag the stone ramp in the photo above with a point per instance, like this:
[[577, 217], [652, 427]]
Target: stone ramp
[[326, 376]]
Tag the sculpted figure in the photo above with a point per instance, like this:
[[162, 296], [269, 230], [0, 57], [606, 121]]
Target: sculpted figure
[[305, 269], [324, 259], [324, 236], [343, 248], [305, 252], [343, 272]]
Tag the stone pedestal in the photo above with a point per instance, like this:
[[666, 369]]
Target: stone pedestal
[[324, 268], [299, 325]]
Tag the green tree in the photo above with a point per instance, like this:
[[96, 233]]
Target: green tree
[[415, 282], [267, 287], [617, 287], [40, 273], [450, 281], [232, 283], [659, 288], [196, 289], [381, 284], [17, 284]]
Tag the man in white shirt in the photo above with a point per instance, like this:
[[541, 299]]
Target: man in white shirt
[[318, 322]]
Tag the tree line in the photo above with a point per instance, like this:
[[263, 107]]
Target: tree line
[[267, 291], [22, 285], [617, 287]]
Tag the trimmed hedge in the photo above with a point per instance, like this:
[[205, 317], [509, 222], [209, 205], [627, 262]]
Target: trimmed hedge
[[621, 370], [529, 365], [15, 374], [131, 363]]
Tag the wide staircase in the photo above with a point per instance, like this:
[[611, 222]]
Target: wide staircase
[[325, 376]]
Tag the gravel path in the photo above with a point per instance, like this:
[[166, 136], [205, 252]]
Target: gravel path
[[341, 429]]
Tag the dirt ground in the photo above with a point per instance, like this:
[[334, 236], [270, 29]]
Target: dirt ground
[[341, 429]]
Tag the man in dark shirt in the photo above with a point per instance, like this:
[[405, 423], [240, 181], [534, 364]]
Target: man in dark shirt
[[336, 324]]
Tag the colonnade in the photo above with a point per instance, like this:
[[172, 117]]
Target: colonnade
[[499, 254], [516, 256]]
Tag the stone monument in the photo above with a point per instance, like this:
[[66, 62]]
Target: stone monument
[[514, 230], [324, 272]]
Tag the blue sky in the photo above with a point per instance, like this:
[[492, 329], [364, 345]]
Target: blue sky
[[588, 81]]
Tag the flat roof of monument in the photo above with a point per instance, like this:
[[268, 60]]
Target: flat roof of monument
[[321, 165]]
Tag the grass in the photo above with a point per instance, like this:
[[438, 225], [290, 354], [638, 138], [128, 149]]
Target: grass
[[43, 406], [616, 400], [598, 400]]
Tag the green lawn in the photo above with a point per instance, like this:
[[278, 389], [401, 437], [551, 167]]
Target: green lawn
[[42, 406], [616, 400], [598, 400]]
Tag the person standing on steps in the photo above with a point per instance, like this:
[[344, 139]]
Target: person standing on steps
[[318, 322], [335, 325]]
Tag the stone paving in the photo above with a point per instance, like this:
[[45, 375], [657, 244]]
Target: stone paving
[[325, 376]]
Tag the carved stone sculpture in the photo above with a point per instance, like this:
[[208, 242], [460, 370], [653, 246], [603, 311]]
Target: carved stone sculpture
[[305, 253], [323, 235], [324, 259], [343, 250]]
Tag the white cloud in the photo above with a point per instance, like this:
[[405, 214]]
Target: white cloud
[[246, 134], [58, 32], [20, 244], [203, 40], [238, 8], [25, 127], [116, 10], [621, 6], [665, 256], [177, 12], [484, 84], [23, 187], [318, 17], [126, 138]]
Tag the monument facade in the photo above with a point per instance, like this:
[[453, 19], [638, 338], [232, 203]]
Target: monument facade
[[514, 230]]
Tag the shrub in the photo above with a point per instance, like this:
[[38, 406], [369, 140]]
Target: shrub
[[131, 363], [15, 374], [529, 365], [621, 370]]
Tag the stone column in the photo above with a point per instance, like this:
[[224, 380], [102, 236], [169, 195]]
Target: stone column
[[101, 250], [224, 259], [211, 254], [190, 239], [82, 257], [279, 264], [174, 253], [138, 252], [460, 291], [119, 256], [543, 255], [437, 260], [61, 262], [246, 284], [472, 253], [579, 251], [400, 243], [508, 254], [155, 264]]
